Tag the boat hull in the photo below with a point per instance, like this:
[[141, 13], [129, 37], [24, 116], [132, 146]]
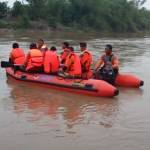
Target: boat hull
[[89, 87]]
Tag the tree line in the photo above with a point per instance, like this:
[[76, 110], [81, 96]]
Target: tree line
[[99, 15]]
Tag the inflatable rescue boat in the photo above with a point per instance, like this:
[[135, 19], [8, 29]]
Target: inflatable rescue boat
[[89, 87]]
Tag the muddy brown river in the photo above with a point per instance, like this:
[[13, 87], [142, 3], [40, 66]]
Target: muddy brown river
[[37, 118]]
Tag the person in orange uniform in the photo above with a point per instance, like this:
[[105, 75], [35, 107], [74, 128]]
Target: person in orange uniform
[[42, 46], [34, 59], [51, 61], [108, 59], [72, 64], [86, 61], [17, 55], [64, 53]]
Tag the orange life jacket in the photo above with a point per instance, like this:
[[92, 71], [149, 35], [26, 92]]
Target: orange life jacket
[[63, 55], [73, 65], [51, 62], [34, 59], [17, 56], [86, 60]]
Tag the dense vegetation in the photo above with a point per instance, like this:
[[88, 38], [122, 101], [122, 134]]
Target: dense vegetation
[[102, 15]]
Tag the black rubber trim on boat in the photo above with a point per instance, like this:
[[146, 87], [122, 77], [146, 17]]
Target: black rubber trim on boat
[[116, 92], [141, 83]]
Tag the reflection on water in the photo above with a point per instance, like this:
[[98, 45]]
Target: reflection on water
[[38, 118], [49, 104]]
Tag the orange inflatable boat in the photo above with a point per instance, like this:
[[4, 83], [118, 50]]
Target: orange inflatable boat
[[121, 79], [128, 80], [89, 87]]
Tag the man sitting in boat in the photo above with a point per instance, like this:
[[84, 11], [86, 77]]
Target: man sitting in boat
[[64, 53], [107, 66], [51, 61], [17, 55], [72, 66], [34, 59], [86, 61]]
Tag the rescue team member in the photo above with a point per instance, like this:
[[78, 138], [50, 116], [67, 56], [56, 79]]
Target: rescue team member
[[72, 64], [64, 53], [108, 58], [42, 46], [34, 59], [51, 61], [86, 61], [17, 55]]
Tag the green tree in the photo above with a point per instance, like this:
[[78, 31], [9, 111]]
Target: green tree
[[3, 9], [37, 9], [102, 15], [23, 22], [17, 9]]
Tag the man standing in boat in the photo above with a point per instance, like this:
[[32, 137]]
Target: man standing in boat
[[108, 61]]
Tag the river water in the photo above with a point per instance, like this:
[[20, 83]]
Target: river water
[[35, 118]]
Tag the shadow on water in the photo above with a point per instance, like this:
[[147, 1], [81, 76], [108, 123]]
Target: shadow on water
[[41, 102]]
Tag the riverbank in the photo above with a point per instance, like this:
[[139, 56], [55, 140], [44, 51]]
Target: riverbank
[[68, 33], [22, 25]]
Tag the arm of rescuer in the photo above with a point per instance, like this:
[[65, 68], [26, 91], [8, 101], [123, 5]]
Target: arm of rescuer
[[115, 62], [99, 64]]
